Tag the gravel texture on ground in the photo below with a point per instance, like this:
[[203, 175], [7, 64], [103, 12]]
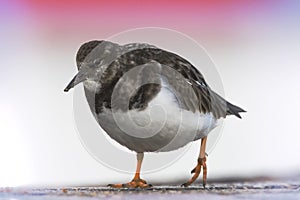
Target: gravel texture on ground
[[262, 188]]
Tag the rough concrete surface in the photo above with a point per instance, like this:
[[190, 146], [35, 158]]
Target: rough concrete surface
[[259, 188]]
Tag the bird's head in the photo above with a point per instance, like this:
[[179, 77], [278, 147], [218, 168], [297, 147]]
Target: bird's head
[[90, 60]]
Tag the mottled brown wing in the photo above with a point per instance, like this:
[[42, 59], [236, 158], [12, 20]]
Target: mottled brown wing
[[194, 92], [185, 81]]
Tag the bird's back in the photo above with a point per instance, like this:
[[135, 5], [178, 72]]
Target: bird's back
[[187, 83]]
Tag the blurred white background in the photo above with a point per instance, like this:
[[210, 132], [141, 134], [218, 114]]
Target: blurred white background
[[258, 61]]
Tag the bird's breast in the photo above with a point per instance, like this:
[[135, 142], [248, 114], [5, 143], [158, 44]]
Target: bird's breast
[[161, 126]]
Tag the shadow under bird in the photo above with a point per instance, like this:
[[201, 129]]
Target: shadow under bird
[[124, 84]]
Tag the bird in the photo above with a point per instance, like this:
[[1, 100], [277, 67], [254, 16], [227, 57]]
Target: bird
[[149, 100]]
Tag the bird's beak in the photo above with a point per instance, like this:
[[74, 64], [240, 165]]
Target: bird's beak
[[78, 78]]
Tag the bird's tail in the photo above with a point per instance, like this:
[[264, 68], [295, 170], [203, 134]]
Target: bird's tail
[[233, 110]]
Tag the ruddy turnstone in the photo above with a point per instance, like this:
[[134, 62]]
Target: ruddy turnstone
[[149, 100]]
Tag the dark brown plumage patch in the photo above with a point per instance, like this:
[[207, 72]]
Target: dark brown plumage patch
[[185, 80], [143, 96]]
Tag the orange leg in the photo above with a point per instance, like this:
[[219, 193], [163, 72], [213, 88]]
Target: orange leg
[[201, 163], [136, 182]]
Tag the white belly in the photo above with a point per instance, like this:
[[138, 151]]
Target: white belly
[[162, 126]]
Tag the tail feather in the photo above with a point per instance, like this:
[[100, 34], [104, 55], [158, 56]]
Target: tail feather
[[221, 107], [234, 110]]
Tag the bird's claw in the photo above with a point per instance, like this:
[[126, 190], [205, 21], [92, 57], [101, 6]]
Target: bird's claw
[[196, 171], [184, 185], [135, 183]]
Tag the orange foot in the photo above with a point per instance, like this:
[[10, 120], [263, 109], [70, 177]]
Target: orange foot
[[197, 171], [135, 183]]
